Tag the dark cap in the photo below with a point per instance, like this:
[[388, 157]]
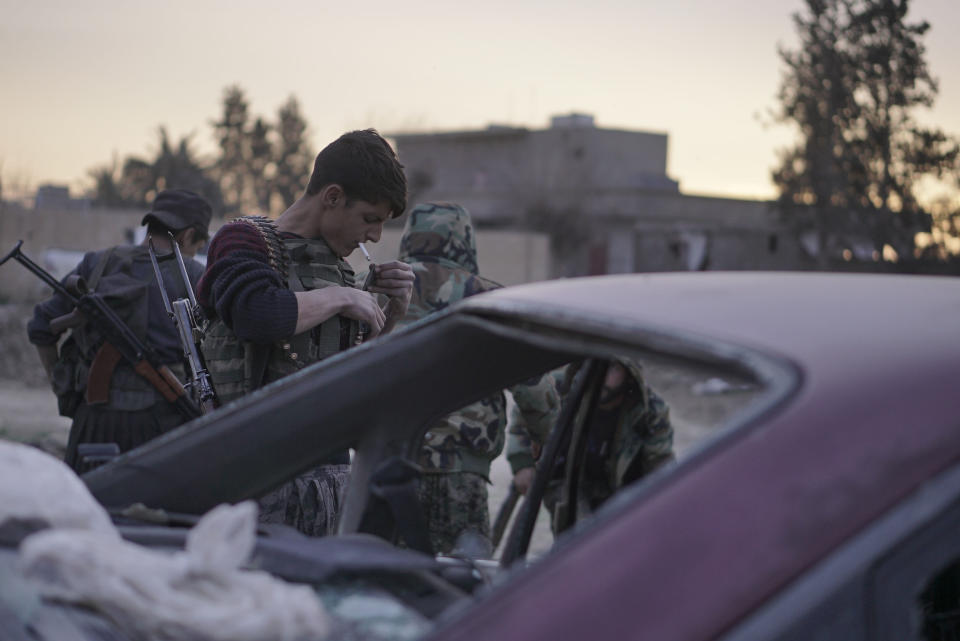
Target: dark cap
[[178, 209]]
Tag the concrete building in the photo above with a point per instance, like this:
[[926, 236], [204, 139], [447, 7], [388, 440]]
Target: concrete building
[[501, 173], [57, 197], [605, 199]]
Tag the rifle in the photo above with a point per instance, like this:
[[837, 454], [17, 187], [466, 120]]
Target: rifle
[[120, 341], [184, 314]]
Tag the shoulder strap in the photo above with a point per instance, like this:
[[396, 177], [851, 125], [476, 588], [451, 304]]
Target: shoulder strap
[[98, 269], [257, 355]]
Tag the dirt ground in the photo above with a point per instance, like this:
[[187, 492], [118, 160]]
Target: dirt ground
[[29, 415], [28, 409]]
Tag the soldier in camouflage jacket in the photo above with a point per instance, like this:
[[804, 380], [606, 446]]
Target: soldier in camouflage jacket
[[438, 242], [629, 436]]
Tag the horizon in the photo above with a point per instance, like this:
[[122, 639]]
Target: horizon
[[94, 82]]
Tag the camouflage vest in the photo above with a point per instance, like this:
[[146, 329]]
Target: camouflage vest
[[239, 367]]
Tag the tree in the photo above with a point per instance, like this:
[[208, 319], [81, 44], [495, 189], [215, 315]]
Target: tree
[[137, 182], [106, 187], [293, 155], [851, 89], [260, 165], [231, 132]]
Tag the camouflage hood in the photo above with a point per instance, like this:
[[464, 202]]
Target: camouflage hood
[[438, 243], [635, 370], [440, 233], [564, 376]]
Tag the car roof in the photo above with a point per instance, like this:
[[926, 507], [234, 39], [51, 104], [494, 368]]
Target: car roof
[[807, 317], [874, 416]]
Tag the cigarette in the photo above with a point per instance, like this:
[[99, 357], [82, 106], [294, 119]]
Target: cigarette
[[366, 254]]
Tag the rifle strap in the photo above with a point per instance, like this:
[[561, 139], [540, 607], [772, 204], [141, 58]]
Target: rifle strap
[[258, 355], [98, 269], [107, 356]]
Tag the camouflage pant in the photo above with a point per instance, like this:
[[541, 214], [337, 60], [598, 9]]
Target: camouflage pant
[[454, 502], [310, 502]]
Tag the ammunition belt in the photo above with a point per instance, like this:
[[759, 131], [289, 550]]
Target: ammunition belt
[[276, 252]]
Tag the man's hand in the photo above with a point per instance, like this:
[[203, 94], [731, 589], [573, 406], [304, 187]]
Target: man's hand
[[317, 305], [523, 479], [363, 306], [394, 279]]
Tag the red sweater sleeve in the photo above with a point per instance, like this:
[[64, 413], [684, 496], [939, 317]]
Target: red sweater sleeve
[[241, 288]]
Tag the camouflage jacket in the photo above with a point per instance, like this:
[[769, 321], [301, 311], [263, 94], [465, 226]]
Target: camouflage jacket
[[641, 441], [438, 243], [643, 437]]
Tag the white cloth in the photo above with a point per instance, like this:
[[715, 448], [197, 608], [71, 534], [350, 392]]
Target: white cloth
[[197, 594], [36, 486]]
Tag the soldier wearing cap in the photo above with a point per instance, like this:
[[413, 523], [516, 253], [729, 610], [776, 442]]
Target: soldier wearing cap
[[135, 412]]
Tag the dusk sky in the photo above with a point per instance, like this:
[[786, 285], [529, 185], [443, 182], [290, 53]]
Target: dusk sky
[[84, 81]]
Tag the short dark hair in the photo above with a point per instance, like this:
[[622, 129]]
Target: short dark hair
[[365, 165]]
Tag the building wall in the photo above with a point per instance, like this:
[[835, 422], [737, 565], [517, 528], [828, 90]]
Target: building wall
[[692, 248], [505, 256], [588, 187], [67, 231], [500, 173], [56, 240], [604, 193], [680, 232]]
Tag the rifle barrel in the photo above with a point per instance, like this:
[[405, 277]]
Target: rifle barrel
[[183, 270], [37, 271], [156, 272]]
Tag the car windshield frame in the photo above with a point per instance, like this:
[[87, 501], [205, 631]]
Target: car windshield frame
[[373, 396]]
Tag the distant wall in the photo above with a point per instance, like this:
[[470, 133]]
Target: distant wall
[[50, 238], [500, 173], [70, 230], [694, 248], [507, 257]]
